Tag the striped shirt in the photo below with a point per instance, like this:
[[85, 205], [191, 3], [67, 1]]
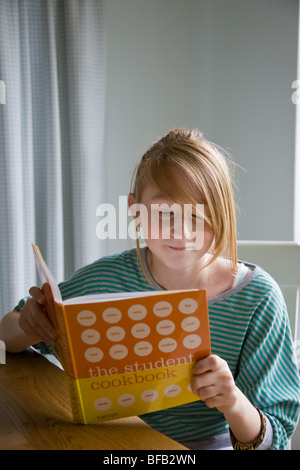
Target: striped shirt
[[249, 329]]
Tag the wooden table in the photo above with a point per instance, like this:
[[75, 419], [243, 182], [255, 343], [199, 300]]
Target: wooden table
[[35, 413]]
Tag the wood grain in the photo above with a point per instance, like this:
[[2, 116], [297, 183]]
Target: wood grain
[[35, 413]]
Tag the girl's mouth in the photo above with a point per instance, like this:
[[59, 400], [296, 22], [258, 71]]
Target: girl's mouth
[[180, 248]]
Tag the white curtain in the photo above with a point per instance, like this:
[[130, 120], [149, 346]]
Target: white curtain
[[52, 138]]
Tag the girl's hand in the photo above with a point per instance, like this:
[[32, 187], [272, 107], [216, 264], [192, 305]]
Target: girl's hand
[[212, 381], [36, 317]]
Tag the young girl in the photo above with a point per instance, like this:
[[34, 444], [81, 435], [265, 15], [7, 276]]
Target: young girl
[[249, 386]]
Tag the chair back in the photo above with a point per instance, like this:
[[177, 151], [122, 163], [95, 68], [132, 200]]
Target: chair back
[[282, 261]]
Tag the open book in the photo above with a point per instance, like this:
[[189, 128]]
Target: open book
[[128, 353]]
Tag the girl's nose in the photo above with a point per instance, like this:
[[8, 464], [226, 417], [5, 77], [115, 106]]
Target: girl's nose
[[188, 229], [183, 227]]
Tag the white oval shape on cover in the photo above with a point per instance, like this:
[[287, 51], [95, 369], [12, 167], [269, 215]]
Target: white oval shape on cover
[[126, 399], [172, 390], [143, 348], [190, 323], [90, 336], [162, 309], [93, 354], [165, 327], [192, 341], [118, 351], [86, 318], [149, 395], [112, 315], [140, 330], [115, 333], [167, 345], [137, 312], [102, 404], [188, 306]]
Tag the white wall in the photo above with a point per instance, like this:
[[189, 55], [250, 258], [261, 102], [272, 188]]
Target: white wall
[[225, 67], [149, 83], [256, 63]]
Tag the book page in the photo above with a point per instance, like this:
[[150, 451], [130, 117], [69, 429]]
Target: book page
[[45, 274], [105, 297]]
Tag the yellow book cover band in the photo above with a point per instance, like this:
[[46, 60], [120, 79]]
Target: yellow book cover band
[[105, 398]]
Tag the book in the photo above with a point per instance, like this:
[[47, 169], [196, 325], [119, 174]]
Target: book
[[127, 354]]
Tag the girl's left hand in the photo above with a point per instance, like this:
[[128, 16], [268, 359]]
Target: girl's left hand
[[212, 382]]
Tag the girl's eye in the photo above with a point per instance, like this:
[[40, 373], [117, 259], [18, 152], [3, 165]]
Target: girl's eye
[[166, 214]]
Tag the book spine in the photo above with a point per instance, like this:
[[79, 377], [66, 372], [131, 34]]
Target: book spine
[[65, 344], [76, 403], [69, 366]]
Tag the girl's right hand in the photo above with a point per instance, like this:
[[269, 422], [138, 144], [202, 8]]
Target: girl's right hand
[[35, 316]]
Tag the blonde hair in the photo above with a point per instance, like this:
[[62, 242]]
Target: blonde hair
[[187, 168]]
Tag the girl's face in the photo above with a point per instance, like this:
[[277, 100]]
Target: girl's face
[[173, 234]]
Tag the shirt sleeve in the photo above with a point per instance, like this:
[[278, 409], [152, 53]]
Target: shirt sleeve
[[268, 372]]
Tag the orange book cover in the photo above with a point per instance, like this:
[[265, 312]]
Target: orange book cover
[[129, 353]]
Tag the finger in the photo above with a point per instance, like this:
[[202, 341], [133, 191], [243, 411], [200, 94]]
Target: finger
[[209, 363], [216, 401], [210, 396], [206, 392], [42, 326], [202, 382], [44, 298], [34, 318], [37, 294], [50, 306], [25, 325], [34, 331]]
